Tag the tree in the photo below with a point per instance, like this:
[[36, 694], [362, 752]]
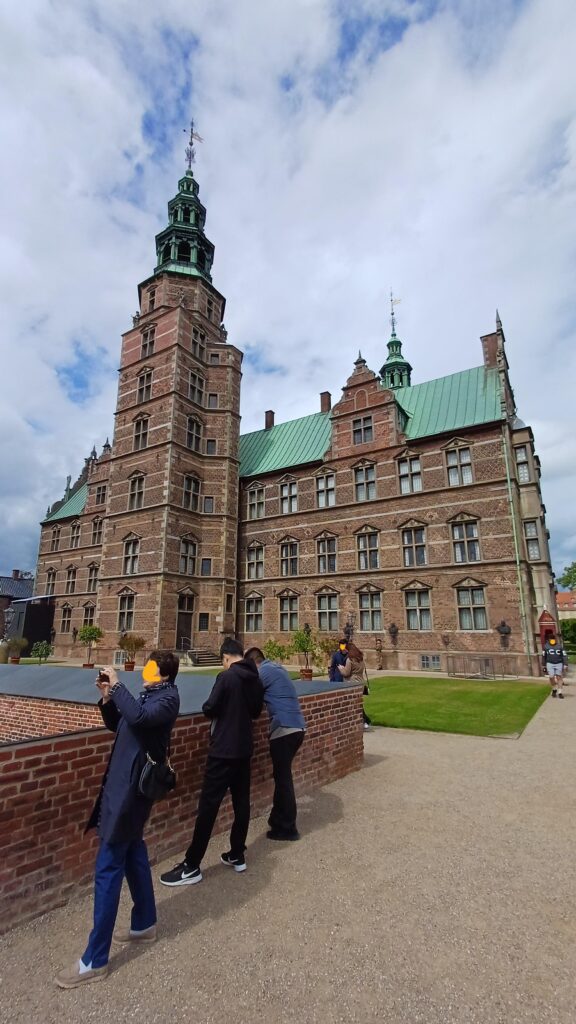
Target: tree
[[274, 651], [304, 642], [131, 643], [89, 635], [568, 577], [41, 650]]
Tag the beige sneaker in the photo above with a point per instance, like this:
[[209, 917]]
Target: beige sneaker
[[123, 935], [70, 977]]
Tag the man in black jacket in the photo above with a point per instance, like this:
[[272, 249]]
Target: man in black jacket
[[236, 699]]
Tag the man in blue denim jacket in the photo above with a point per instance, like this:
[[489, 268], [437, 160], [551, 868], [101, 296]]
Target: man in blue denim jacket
[[287, 728]]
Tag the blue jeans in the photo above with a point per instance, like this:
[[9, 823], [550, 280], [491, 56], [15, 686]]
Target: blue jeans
[[116, 861]]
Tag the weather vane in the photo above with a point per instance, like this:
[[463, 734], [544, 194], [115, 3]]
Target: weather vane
[[393, 302], [190, 154]]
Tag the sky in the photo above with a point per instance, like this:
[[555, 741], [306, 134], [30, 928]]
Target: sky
[[350, 147]]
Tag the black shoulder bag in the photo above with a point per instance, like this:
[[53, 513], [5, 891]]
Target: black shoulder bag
[[157, 780]]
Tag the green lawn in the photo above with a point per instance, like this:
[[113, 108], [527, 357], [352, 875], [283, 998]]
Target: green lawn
[[454, 705]]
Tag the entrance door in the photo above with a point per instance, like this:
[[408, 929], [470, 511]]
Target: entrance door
[[184, 622]]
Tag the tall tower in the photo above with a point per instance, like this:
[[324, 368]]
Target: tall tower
[[396, 371], [168, 568]]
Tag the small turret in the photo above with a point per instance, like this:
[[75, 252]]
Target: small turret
[[396, 371]]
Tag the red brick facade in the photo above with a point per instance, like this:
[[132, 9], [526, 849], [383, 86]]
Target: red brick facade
[[49, 785]]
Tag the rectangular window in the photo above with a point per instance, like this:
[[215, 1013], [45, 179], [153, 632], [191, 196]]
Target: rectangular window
[[193, 434], [325, 491], [214, 359], [255, 563], [365, 483], [206, 567], [148, 338], [198, 344], [471, 608], [140, 434], [256, 503], [367, 550], [88, 615], [209, 308], [151, 299], [126, 613], [210, 446], [417, 604], [70, 581], [203, 622], [96, 531], [289, 559], [187, 557], [92, 579], [212, 400], [410, 475], [465, 542], [362, 430], [136, 493], [208, 504], [144, 387], [55, 539], [370, 607], [326, 553], [50, 582], [288, 614], [131, 552], [75, 535], [522, 464], [229, 604], [459, 463], [414, 546], [289, 497], [254, 614], [327, 611], [101, 494], [532, 539], [66, 620], [191, 493], [430, 661], [196, 388]]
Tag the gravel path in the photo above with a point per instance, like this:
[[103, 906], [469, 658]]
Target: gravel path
[[433, 886]]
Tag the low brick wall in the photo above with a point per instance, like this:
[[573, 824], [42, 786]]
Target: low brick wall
[[48, 787], [24, 717]]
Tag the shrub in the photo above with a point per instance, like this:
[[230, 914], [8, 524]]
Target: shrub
[[304, 642], [41, 650], [16, 645], [131, 643], [274, 651]]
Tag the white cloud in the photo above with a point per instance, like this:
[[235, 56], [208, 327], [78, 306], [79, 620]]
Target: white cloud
[[441, 164]]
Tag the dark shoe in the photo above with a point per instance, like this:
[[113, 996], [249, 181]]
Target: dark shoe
[[70, 977], [283, 837], [238, 863], [181, 874], [554, 693], [561, 695]]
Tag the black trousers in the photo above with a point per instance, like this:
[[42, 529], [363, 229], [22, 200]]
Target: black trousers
[[222, 774], [283, 751]]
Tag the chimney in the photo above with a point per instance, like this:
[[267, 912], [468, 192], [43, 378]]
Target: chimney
[[268, 419], [15, 574], [325, 401]]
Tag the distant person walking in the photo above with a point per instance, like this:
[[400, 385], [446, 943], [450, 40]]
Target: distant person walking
[[355, 670], [237, 698], [142, 725], [555, 659], [287, 728], [337, 660]]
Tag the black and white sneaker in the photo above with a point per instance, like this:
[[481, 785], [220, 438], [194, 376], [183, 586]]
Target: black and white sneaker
[[181, 874], [238, 863]]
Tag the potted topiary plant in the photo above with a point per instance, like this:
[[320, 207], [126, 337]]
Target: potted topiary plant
[[304, 643], [89, 636], [41, 650], [131, 644], [16, 645]]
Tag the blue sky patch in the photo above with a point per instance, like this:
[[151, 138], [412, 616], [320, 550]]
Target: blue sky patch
[[79, 378], [256, 359]]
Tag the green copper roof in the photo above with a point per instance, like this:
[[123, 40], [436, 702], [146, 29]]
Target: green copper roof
[[288, 444], [465, 399], [73, 507]]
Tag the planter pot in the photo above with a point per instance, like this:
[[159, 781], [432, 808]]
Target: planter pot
[[88, 664], [306, 673], [15, 660], [129, 666]]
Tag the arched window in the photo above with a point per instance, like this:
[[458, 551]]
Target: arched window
[[186, 214], [55, 541], [184, 252], [166, 253], [50, 581]]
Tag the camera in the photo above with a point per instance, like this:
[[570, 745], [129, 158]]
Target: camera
[[103, 677]]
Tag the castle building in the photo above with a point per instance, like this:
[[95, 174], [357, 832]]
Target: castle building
[[408, 514]]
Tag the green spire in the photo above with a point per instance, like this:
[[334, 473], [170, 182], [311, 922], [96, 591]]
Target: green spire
[[396, 370], [183, 247]]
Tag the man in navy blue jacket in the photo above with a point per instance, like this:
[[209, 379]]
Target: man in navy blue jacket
[[141, 725], [287, 728], [236, 699]]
